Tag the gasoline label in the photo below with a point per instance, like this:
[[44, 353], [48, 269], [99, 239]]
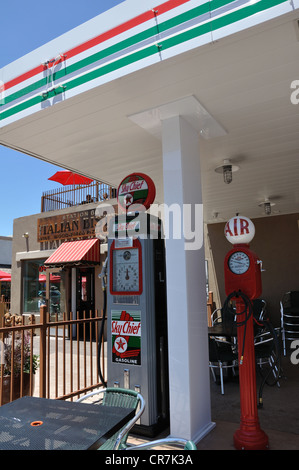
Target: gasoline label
[[126, 337]]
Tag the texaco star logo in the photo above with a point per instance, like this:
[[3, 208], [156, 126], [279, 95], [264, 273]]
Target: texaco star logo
[[128, 199], [120, 344]]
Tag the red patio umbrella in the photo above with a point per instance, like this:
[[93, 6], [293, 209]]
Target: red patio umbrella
[[67, 177]]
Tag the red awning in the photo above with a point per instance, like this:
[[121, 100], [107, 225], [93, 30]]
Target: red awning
[[78, 252], [4, 276]]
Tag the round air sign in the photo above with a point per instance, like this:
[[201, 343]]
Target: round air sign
[[136, 190], [239, 229]]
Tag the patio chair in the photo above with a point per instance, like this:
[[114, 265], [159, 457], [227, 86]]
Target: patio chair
[[289, 309], [173, 441], [216, 316], [267, 355], [222, 355], [122, 398], [259, 309]]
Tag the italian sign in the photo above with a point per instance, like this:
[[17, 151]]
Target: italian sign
[[67, 226], [126, 337], [136, 189]]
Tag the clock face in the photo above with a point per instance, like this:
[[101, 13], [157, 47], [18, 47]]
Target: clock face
[[239, 262], [125, 270]]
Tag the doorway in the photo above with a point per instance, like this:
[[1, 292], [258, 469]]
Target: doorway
[[54, 293], [85, 300]]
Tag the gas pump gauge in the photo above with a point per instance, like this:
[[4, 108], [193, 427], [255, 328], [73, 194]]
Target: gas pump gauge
[[239, 262], [126, 270]]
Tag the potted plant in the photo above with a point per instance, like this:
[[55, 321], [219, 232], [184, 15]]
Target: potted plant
[[12, 363]]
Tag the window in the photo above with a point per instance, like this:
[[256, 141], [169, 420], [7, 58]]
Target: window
[[5, 290], [34, 288], [34, 284]]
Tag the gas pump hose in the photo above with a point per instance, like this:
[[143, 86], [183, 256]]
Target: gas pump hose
[[101, 338], [101, 335]]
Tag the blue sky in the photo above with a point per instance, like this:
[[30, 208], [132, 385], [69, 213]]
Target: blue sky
[[24, 27]]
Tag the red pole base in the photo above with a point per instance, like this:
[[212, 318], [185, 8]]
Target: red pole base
[[251, 437]]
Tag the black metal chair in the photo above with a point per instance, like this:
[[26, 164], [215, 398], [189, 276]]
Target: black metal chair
[[259, 309], [216, 316], [267, 355], [222, 355], [223, 315], [289, 317]]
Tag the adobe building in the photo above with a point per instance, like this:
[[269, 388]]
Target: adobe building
[[70, 281]]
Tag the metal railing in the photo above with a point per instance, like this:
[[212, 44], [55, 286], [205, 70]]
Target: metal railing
[[4, 305], [74, 195], [52, 359]]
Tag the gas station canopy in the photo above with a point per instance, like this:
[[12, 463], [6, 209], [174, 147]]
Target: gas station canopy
[[228, 68]]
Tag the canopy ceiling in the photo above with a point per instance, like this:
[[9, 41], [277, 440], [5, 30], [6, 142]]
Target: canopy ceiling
[[243, 81]]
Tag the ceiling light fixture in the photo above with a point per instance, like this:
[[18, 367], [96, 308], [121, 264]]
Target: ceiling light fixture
[[267, 206], [227, 169]]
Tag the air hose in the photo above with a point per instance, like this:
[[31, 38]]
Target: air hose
[[248, 311]]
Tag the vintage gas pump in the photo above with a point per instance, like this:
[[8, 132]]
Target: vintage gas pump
[[242, 271], [136, 302]]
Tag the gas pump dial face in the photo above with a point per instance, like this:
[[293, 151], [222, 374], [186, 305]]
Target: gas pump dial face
[[125, 270], [239, 262]]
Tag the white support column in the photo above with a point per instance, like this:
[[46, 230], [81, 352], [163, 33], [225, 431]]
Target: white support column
[[190, 409]]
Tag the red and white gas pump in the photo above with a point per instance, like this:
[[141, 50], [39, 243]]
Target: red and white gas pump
[[242, 271]]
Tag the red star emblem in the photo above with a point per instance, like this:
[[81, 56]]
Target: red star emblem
[[120, 344]]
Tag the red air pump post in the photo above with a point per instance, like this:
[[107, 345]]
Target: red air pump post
[[243, 275], [249, 436]]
